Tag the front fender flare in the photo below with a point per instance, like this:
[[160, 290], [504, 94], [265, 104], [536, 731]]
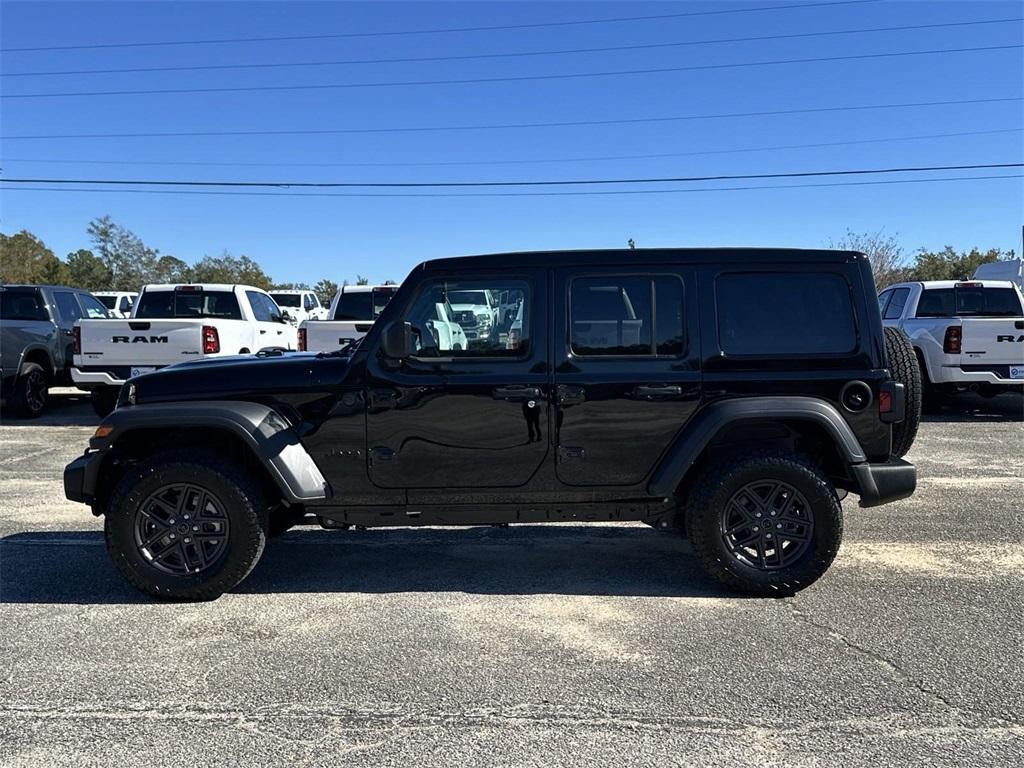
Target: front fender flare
[[711, 419], [262, 429]]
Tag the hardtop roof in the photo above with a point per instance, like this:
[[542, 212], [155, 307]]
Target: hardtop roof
[[621, 256]]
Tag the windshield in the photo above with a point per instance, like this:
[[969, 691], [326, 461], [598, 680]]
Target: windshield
[[287, 299], [108, 301], [969, 300], [167, 304], [467, 297], [364, 305]]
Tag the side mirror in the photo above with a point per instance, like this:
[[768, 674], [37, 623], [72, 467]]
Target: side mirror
[[396, 340], [285, 316]]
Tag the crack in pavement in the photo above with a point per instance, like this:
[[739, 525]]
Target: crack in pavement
[[888, 664], [953, 721]]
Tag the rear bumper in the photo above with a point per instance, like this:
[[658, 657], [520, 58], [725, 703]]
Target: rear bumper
[[881, 483], [90, 379]]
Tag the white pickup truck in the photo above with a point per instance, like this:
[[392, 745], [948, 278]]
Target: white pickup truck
[[172, 323], [351, 315], [967, 335], [300, 305]]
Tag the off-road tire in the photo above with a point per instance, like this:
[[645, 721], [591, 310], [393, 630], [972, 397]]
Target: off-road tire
[[243, 504], [724, 478], [31, 391], [104, 400], [902, 363]]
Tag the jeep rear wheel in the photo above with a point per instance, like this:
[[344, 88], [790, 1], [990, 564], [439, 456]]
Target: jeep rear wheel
[[185, 526], [902, 362], [765, 522]]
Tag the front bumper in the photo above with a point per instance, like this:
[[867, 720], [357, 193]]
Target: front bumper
[[80, 477], [881, 483]]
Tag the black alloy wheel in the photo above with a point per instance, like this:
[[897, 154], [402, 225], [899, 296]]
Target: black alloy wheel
[[182, 529], [767, 525]]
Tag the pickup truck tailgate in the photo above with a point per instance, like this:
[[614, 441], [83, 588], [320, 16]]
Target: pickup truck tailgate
[[139, 342], [992, 341]]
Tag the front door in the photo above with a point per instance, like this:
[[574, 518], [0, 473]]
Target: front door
[[627, 371], [464, 410]]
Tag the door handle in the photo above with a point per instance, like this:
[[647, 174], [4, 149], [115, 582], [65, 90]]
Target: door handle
[[262, 331], [652, 391], [516, 392], [570, 394]]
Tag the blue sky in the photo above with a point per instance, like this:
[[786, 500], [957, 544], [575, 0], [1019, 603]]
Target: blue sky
[[306, 238]]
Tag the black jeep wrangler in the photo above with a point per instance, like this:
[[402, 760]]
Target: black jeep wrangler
[[735, 395]]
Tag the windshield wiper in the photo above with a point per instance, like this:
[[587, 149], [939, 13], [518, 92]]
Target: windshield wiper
[[347, 348]]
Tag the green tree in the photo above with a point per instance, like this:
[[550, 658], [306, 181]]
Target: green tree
[[86, 270], [884, 253], [230, 269], [131, 262], [171, 269], [325, 290], [24, 258], [291, 287], [949, 264], [360, 280]]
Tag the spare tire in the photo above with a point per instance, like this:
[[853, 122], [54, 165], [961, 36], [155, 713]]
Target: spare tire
[[903, 366]]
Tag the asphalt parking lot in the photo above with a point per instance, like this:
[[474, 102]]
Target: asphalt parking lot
[[567, 645]]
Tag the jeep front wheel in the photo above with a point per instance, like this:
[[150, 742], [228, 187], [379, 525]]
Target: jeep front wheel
[[185, 526], [766, 523]]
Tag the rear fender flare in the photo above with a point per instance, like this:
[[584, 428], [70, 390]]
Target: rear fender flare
[[713, 418]]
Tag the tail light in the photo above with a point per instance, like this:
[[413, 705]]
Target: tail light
[[77, 334], [211, 340], [885, 402], [951, 343], [302, 339]]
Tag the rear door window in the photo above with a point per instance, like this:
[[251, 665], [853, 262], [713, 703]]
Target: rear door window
[[766, 313], [626, 316], [67, 306]]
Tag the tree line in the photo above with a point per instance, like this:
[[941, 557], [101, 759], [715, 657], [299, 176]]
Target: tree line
[[890, 264], [118, 260]]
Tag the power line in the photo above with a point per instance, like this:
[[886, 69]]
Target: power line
[[595, 158], [535, 183], [510, 126], [516, 194], [511, 54], [444, 30], [505, 79]]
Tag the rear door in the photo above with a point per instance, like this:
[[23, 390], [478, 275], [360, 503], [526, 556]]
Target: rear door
[[627, 373]]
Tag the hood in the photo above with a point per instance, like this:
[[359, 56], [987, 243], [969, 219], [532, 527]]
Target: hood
[[241, 376]]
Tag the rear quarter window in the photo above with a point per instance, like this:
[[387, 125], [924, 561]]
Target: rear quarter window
[[767, 314]]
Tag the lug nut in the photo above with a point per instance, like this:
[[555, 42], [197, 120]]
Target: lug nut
[[195, 527], [757, 514], [779, 526], [755, 529], [171, 521], [173, 536]]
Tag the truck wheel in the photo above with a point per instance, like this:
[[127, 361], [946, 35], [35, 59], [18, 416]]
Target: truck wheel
[[185, 525], [902, 362], [104, 400], [765, 522], [31, 391]]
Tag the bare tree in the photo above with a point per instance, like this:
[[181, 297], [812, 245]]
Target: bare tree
[[884, 253]]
